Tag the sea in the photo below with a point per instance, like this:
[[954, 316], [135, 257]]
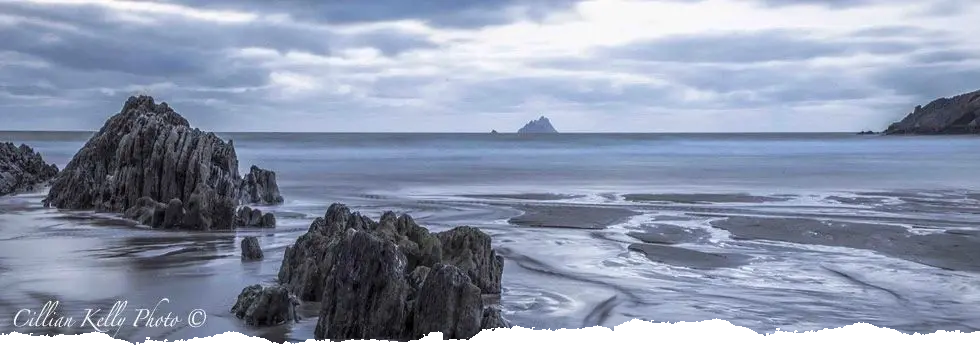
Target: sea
[[789, 232]]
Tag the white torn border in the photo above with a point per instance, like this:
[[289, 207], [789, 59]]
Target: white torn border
[[714, 334]]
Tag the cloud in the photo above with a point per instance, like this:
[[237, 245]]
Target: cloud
[[441, 65]]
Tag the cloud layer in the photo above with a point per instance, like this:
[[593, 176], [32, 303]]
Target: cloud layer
[[476, 65]]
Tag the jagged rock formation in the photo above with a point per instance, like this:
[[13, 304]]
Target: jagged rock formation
[[261, 305], [392, 279], [251, 249], [494, 131], [540, 126], [259, 187], [148, 155], [22, 169], [956, 115], [250, 217]]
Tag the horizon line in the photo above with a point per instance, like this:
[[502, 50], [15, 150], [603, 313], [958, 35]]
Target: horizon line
[[489, 133]]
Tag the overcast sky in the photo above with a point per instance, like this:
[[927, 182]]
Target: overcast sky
[[476, 65]]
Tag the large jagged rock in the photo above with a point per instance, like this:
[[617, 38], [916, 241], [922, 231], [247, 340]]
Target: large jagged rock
[[148, 154], [22, 169], [540, 126], [259, 187], [956, 115], [265, 306], [389, 279]]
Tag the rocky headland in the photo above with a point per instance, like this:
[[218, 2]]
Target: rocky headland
[[944, 116], [540, 126], [22, 169], [391, 279], [148, 164]]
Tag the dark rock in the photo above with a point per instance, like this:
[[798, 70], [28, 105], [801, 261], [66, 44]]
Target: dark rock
[[22, 169], [867, 132], [417, 277], [251, 249], [540, 126], [493, 318], [305, 262], [494, 132], [469, 249], [250, 217], [259, 187], [148, 150], [174, 215], [148, 212], [448, 303], [268, 220], [955, 115], [265, 306], [365, 292], [389, 279]]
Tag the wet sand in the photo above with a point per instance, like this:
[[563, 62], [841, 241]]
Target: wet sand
[[570, 216], [706, 198], [689, 258], [525, 196], [946, 251], [669, 234]]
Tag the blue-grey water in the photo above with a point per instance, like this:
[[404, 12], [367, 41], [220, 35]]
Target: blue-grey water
[[555, 276]]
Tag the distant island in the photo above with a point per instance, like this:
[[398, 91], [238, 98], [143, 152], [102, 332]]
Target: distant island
[[944, 116], [540, 126]]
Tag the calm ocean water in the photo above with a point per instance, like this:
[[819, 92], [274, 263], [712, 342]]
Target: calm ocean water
[[554, 277], [446, 163]]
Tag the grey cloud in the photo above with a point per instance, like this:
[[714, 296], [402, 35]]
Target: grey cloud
[[443, 13], [945, 56], [928, 83], [750, 47]]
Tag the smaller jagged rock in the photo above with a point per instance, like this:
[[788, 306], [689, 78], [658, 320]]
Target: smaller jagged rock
[[469, 249], [448, 303], [259, 187], [174, 215], [206, 211], [251, 217], [493, 318], [251, 249], [392, 279], [147, 212], [263, 306], [268, 220], [22, 169]]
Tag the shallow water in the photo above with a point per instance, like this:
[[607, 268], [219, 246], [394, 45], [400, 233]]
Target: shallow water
[[555, 277]]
